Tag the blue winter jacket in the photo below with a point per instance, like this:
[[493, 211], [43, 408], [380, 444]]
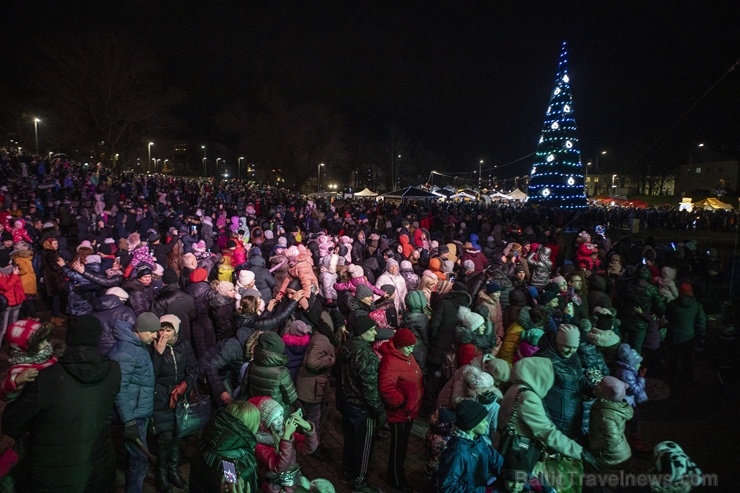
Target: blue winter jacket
[[467, 466], [135, 400]]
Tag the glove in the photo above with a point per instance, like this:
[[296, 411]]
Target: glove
[[130, 431], [176, 393], [380, 419], [588, 458]]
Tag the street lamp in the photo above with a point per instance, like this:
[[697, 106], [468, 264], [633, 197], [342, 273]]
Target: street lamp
[[480, 165], [204, 160], [318, 177], [149, 152], [239, 168], [156, 164], [217, 161], [165, 163], [36, 132]]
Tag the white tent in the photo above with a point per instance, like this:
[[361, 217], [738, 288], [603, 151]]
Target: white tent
[[499, 196], [366, 193], [463, 195], [517, 195]]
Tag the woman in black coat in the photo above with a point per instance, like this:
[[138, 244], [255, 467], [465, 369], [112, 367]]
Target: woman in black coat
[[202, 332], [175, 371]]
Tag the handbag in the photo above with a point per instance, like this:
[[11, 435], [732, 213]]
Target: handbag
[[563, 473], [191, 415], [519, 452]]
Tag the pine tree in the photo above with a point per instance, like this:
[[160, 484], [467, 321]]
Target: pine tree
[[557, 174]]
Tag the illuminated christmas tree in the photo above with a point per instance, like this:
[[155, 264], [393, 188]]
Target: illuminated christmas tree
[[557, 174]]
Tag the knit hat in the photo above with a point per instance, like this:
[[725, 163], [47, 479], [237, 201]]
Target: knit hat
[[568, 335], [147, 322], [105, 249], [83, 244], [559, 280], [158, 270], [246, 277], [116, 291], [390, 263], [85, 331], [19, 333], [270, 411], [362, 291], [404, 338], [198, 275], [153, 237], [672, 461], [298, 328], [269, 235], [685, 289], [546, 297], [252, 292], [468, 265], [469, 414], [443, 249], [362, 324], [282, 242], [498, 368], [585, 325], [231, 244], [388, 289], [146, 271], [170, 277], [552, 287], [270, 341], [492, 287], [406, 265], [531, 336], [611, 389], [355, 271], [173, 320], [627, 355], [469, 318], [429, 273]]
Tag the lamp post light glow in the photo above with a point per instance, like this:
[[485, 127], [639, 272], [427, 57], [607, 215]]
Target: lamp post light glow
[[36, 132], [318, 177], [204, 159], [218, 160], [239, 168], [149, 152]]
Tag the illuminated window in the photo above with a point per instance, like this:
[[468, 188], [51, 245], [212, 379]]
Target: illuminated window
[[698, 170]]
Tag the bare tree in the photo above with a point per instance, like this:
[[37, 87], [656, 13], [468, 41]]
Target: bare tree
[[108, 91], [397, 149]]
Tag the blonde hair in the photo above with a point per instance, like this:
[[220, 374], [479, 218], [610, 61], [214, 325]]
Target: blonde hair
[[249, 304], [222, 287], [247, 413]]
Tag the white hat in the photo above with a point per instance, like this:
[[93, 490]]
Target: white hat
[[246, 277], [84, 244], [171, 319], [120, 293]]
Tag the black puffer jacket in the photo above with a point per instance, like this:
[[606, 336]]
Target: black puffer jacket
[[263, 279], [176, 364], [140, 297], [359, 368], [67, 414], [639, 293], [564, 401], [174, 301], [203, 335], [597, 293], [222, 310], [102, 279], [224, 438], [268, 375], [109, 309], [443, 322]]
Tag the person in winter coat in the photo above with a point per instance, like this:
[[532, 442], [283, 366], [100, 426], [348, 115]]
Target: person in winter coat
[[540, 266], [228, 436], [564, 400], [528, 343], [667, 283], [279, 439], [175, 371], [638, 293], [296, 337], [268, 374], [358, 253], [456, 389], [361, 406], [628, 370], [488, 305], [300, 266], [474, 254], [135, 399], [392, 277], [328, 277], [30, 351], [417, 322], [174, 301], [407, 272], [529, 318], [468, 462], [686, 325], [263, 279], [400, 386], [312, 383], [140, 291], [222, 305], [442, 326], [517, 300], [12, 288], [110, 309], [480, 330], [203, 332], [597, 295], [53, 275], [66, 415], [606, 426], [22, 256]]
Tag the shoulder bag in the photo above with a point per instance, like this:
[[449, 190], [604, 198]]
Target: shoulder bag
[[192, 414], [519, 452]]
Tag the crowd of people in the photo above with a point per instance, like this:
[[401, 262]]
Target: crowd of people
[[491, 321]]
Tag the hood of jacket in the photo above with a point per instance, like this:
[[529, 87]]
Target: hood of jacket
[[124, 331], [623, 409], [535, 373], [256, 261], [525, 320], [598, 283], [219, 299], [404, 239], [416, 301], [474, 241], [389, 349], [668, 273], [687, 301], [106, 302], [85, 364], [460, 298], [263, 357], [226, 432]]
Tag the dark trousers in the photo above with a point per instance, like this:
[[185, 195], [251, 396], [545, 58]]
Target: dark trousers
[[434, 384], [682, 354], [400, 433], [358, 425], [138, 461]]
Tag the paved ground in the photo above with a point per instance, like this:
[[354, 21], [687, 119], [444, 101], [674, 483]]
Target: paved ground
[[701, 416]]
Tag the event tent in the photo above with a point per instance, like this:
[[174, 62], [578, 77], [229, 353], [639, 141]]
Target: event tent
[[366, 193], [712, 204], [517, 195], [410, 193]]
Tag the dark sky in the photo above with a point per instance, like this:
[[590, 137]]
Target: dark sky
[[468, 79]]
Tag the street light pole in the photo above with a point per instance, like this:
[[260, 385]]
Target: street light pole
[[149, 153], [217, 161], [318, 177], [36, 132], [239, 168], [480, 165], [204, 160]]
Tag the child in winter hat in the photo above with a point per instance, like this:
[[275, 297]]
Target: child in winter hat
[[30, 351], [607, 422], [628, 370], [672, 463], [528, 343]]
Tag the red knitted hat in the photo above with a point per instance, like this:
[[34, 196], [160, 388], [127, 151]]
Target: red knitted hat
[[404, 338], [20, 333], [686, 289]]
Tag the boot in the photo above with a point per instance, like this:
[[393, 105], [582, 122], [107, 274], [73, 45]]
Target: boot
[[173, 473], [163, 484]]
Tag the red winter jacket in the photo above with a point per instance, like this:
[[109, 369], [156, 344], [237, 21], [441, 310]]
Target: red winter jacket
[[12, 288], [400, 386]]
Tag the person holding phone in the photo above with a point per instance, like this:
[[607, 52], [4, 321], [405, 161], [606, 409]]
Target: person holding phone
[[227, 449]]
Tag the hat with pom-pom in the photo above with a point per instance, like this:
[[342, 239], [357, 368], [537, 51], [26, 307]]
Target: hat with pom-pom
[[568, 335], [469, 318], [531, 336], [611, 389]]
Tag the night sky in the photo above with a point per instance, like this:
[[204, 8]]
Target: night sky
[[469, 80]]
